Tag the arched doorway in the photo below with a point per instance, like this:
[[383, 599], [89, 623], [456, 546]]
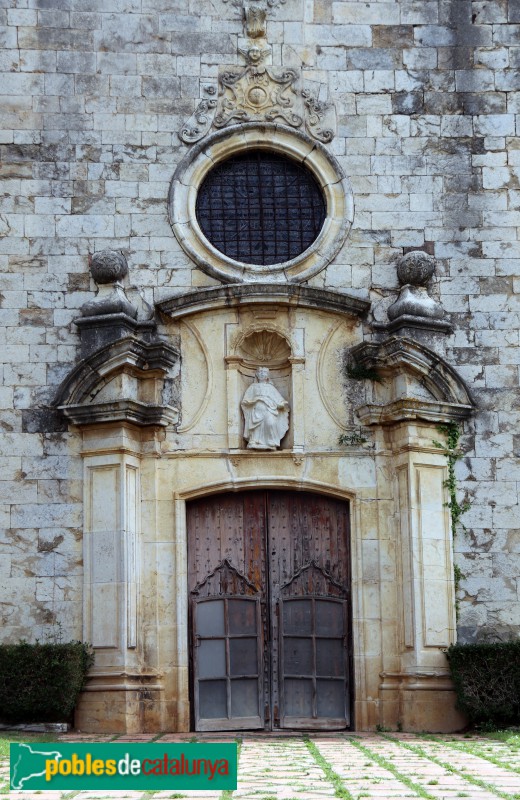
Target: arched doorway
[[269, 591]]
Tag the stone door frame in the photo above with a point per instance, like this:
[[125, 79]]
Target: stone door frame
[[284, 483], [403, 600]]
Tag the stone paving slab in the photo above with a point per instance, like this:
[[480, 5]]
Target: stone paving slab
[[350, 766], [440, 783]]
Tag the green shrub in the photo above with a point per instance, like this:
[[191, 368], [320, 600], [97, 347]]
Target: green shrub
[[41, 682], [487, 681]]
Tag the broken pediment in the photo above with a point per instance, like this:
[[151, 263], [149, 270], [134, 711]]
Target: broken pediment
[[410, 382], [125, 381]]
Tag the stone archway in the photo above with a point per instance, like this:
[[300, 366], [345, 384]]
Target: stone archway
[[141, 469]]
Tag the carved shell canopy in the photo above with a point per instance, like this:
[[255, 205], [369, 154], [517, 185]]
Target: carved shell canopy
[[264, 347]]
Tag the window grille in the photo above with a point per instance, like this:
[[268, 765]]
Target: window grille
[[260, 208]]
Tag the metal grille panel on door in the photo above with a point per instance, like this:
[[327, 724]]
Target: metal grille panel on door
[[269, 610]]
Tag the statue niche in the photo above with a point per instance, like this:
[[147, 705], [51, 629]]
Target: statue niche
[[266, 413], [262, 361]]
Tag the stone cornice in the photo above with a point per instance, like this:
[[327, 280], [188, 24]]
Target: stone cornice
[[412, 409], [242, 294], [81, 400], [131, 411], [408, 322]]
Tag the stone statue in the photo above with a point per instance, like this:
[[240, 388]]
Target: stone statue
[[266, 413]]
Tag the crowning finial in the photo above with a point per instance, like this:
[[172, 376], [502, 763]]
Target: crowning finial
[[257, 92], [256, 21]]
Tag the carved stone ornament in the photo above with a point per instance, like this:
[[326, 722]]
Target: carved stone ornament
[[257, 92], [265, 346], [319, 118], [270, 3], [266, 413], [201, 120], [414, 270], [109, 300], [255, 21], [260, 93], [108, 266]]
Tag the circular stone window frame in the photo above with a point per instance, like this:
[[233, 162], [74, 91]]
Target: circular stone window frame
[[218, 147]]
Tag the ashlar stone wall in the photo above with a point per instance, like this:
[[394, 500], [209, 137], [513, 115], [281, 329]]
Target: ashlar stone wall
[[93, 95]]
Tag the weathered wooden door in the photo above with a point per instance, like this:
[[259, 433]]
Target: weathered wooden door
[[269, 589]]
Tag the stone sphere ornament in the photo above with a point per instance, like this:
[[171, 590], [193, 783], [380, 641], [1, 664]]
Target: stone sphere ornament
[[108, 266], [415, 268]]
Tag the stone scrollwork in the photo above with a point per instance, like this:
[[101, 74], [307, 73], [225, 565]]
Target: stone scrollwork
[[257, 93], [201, 120], [317, 116]]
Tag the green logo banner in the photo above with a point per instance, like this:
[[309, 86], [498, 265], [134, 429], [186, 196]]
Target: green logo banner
[[75, 767]]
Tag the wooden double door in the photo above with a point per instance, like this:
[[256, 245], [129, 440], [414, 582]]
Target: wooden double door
[[269, 586]]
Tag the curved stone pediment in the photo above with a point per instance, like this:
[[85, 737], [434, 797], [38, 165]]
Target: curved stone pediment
[[415, 383], [123, 381], [241, 294]]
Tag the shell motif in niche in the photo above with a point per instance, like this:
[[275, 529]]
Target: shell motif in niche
[[264, 347]]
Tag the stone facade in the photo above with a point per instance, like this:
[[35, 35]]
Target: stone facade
[[132, 406]]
